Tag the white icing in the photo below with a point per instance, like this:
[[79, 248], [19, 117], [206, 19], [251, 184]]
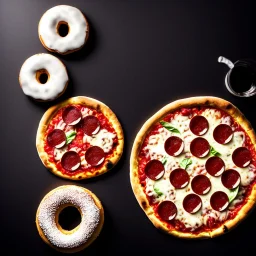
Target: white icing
[[90, 216], [103, 139], [78, 28], [56, 82], [155, 150]]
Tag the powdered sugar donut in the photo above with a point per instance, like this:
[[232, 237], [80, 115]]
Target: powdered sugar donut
[[47, 218], [63, 29], [43, 77]]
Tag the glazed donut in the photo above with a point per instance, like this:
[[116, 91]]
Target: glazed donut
[[63, 29], [43, 77], [47, 218]]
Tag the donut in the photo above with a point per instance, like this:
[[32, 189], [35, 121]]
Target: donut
[[77, 239], [63, 29], [43, 77]]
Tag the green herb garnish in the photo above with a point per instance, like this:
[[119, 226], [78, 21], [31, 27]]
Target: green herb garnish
[[169, 127], [164, 161], [185, 163], [214, 152], [233, 193], [70, 136], [159, 193]]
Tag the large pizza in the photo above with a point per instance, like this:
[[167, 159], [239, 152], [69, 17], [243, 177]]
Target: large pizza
[[79, 138], [193, 167]]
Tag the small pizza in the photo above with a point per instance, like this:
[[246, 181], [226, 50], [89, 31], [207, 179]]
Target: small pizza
[[79, 138], [193, 167]]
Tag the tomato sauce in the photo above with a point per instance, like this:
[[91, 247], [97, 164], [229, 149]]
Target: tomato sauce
[[143, 159], [78, 141]]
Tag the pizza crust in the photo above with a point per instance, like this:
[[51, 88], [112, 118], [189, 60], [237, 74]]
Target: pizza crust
[[89, 102], [207, 101]]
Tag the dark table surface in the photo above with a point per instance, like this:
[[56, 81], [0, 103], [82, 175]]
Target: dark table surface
[[140, 56]]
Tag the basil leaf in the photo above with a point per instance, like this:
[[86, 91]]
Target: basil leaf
[[185, 163], [70, 136], [159, 193], [169, 127], [233, 193], [164, 161], [214, 152]]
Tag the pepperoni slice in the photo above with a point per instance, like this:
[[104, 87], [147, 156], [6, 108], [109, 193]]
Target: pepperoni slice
[[174, 146], [223, 134], [154, 170], [70, 161], [192, 203], [91, 125], [201, 184], [199, 125], [179, 178], [241, 157], [199, 147], [215, 166], [219, 201], [56, 138], [94, 156], [167, 210], [230, 179], [71, 115]]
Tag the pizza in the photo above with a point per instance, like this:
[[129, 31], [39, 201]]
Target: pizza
[[193, 167], [79, 138]]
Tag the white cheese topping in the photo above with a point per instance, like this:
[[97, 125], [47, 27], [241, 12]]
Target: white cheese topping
[[57, 79], [77, 24], [103, 139], [155, 150]]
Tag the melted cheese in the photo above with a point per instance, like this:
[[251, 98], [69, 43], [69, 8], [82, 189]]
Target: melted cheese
[[103, 139], [155, 150]]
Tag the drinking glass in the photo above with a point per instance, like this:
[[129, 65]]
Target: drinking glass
[[241, 77]]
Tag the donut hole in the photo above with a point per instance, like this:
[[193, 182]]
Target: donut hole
[[62, 28], [42, 76], [69, 218]]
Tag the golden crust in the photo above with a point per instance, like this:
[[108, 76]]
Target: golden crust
[[95, 104], [134, 178], [95, 233], [70, 51]]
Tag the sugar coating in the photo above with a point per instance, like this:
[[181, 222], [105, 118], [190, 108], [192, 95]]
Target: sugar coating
[[77, 28], [56, 82], [90, 216]]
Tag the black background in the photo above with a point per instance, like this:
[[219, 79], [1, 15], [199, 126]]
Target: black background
[[140, 56]]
